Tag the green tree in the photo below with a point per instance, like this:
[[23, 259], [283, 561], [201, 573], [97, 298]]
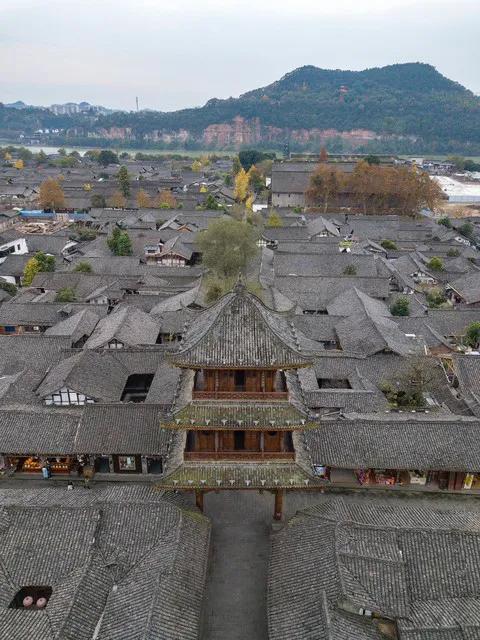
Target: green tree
[[255, 179], [435, 263], [106, 157], [45, 262], [388, 244], [83, 267], [371, 159], [453, 253], [436, 298], [445, 221], [249, 157], [41, 157], [472, 335], [119, 243], [124, 245], [466, 229], [124, 181], [401, 307], [227, 246], [9, 287], [236, 165], [210, 204], [67, 294]]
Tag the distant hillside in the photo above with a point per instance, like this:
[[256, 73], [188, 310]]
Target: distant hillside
[[395, 108]]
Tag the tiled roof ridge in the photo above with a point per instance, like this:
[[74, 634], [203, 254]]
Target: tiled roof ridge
[[341, 515], [242, 295]]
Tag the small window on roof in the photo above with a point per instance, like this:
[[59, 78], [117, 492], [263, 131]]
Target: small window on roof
[[33, 597]]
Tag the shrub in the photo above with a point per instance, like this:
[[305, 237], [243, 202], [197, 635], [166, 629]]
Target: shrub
[[350, 270], [401, 307], [83, 267], [466, 230], [472, 335], [9, 287], [445, 221], [85, 233], [67, 294], [435, 263], [388, 244], [274, 220], [453, 253], [435, 298]]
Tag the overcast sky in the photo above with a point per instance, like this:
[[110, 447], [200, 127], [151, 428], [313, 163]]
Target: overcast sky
[[179, 53]]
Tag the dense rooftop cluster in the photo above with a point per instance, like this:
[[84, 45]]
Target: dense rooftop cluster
[[354, 363]]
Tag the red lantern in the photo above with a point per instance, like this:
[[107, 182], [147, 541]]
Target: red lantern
[[41, 603], [27, 602]]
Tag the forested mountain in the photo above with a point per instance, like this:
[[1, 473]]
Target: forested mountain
[[395, 107]]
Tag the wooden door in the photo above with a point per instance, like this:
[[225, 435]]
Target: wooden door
[[269, 381], [252, 440], [272, 441], [205, 441], [227, 441]]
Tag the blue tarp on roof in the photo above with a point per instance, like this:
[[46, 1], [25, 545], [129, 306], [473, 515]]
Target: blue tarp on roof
[[37, 213]]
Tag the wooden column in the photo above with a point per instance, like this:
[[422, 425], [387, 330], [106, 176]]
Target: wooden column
[[216, 441], [278, 510], [199, 499]]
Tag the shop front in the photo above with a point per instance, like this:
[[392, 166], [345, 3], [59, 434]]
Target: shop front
[[379, 477], [34, 464], [127, 464]]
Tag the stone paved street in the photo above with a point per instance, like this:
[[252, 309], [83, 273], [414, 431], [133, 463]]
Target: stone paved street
[[235, 607], [236, 589]]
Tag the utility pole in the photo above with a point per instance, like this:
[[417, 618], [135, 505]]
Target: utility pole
[[136, 100]]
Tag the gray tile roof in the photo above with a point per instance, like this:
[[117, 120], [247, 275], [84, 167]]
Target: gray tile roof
[[317, 264], [37, 313], [315, 293], [97, 375], [32, 351], [128, 325], [117, 569], [468, 287], [76, 326], [415, 567], [123, 429], [467, 369], [37, 431], [240, 331], [394, 441]]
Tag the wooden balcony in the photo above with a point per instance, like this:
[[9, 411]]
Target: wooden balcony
[[239, 455], [239, 395]]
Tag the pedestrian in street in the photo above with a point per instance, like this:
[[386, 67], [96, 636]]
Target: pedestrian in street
[[69, 485], [45, 472]]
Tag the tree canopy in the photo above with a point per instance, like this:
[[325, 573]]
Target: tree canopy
[[51, 194], [374, 188], [106, 157], [119, 243], [227, 245]]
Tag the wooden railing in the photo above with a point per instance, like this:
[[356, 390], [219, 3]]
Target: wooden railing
[[239, 395], [239, 455]]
